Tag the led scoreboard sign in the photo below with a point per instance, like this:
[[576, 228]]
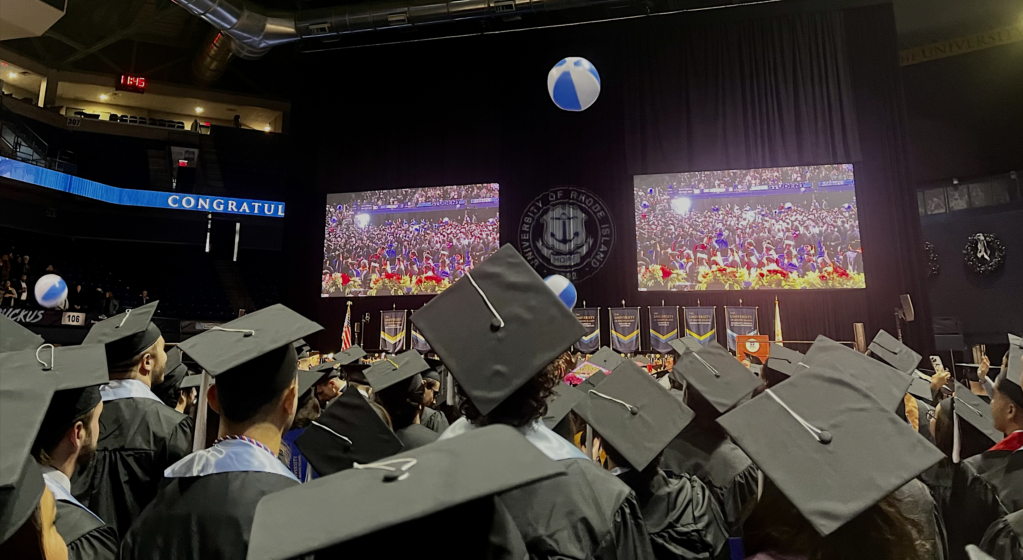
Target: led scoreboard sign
[[128, 82]]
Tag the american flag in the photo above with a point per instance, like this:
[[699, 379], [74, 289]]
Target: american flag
[[346, 334]]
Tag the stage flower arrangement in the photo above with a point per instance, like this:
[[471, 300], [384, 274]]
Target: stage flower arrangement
[[659, 276], [341, 282], [833, 277], [389, 283], [429, 284], [730, 278], [774, 277]]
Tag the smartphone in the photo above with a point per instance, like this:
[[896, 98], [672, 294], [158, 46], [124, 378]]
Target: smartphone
[[936, 364]]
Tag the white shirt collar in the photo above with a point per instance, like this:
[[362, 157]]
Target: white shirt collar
[[228, 456], [126, 389]]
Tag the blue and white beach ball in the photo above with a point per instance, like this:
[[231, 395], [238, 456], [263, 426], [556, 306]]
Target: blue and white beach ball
[[51, 291], [561, 287], [573, 84]]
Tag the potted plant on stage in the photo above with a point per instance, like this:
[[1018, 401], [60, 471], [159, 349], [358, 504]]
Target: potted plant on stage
[[658, 276], [429, 284], [343, 283], [389, 283], [717, 277]]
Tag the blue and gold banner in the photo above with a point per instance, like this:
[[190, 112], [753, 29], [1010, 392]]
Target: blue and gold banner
[[590, 318], [625, 329], [663, 328], [740, 320], [419, 343], [701, 324], [392, 331]]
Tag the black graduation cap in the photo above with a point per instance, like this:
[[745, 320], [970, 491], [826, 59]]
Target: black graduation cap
[[327, 369], [606, 358], [832, 457], [716, 375], [975, 412], [423, 485], [14, 337], [1014, 369], [685, 344], [241, 345], [560, 403], [389, 371], [349, 431], [641, 360], [887, 384], [497, 327], [893, 352], [920, 388], [307, 379], [350, 356], [174, 374], [24, 398], [301, 348], [785, 361], [633, 413], [194, 381], [126, 335]]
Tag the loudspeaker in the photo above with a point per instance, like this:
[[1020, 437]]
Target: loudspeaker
[[907, 308]]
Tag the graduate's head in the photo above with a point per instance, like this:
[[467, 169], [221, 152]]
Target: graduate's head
[[308, 410], [134, 345], [525, 405], [1007, 404], [402, 400], [60, 439], [261, 390], [37, 538], [149, 366]]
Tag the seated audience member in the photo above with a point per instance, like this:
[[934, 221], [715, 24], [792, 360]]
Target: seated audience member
[[634, 419], [139, 436], [205, 508], [499, 332], [9, 295], [398, 387]]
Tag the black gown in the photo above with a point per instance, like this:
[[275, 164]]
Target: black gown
[[985, 488], [86, 537], [416, 435], [434, 420], [138, 439], [938, 480], [706, 452], [587, 514], [1004, 539], [204, 517], [682, 518]]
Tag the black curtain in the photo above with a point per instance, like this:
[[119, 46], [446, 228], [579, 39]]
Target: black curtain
[[730, 89]]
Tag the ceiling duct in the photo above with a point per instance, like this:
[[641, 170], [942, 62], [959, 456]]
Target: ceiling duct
[[210, 62], [254, 31]]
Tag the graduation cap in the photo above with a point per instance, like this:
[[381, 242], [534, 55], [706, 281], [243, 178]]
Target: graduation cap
[[174, 374], [975, 412], [1008, 380], [785, 361], [606, 358], [191, 381], [350, 356], [389, 371], [560, 403], [893, 352], [307, 379], [685, 344], [887, 384], [349, 431], [641, 360], [24, 399], [422, 487], [126, 335], [716, 375], [301, 348], [832, 457], [252, 358], [497, 327], [14, 337], [920, 387], [633, 413]]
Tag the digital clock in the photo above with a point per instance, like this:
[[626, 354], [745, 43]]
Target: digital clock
[[136, 84]]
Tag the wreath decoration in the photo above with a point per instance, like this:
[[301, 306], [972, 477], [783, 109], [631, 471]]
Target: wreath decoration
[[933, 266], [984, 253]]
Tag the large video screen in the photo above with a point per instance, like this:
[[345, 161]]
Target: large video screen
[[753, 229], [407, 241]]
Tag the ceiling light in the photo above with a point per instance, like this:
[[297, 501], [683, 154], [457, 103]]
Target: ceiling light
[[267, 128], [103, 97], [198, 110]]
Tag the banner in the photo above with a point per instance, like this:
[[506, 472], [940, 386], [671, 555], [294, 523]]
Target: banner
[[701, 324], [663, 328], [419, 343], [392, 331], [624, 329], [48, 317], [590, 318], [740, 320]]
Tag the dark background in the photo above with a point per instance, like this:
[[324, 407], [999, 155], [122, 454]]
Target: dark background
[[742, 88]]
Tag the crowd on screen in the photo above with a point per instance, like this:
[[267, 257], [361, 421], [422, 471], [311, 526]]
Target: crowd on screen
[[797, 238], [447, 245], [746, 178]]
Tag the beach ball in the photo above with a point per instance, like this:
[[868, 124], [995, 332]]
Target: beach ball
[[51, 291], [561, 287], [573, 84]]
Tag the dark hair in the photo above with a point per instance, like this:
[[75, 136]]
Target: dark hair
[[401, 401], [881, 532], [308, 410], [50, 435], [527, 404], [256, 387]]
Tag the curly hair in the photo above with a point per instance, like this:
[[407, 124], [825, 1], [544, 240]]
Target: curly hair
[[527, 404]]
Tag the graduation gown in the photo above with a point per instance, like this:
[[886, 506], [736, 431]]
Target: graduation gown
[[416, 435], [139, 437], [206, 506], [938, 480], [86, 536], [706, 452], [434, 420], [1004, 539], [985, 488], [683, 519], [587, 514]]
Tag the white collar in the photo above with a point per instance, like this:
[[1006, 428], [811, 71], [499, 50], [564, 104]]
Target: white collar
[[231, 455], [126, 389], [60, 486], [542, 437], [58, 477]]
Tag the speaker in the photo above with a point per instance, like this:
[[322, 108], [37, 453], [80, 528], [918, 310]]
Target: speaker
[[907, 308]]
